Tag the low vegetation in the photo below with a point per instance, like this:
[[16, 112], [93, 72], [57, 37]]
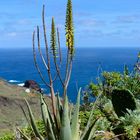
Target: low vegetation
[[118, 106], [116, 111]]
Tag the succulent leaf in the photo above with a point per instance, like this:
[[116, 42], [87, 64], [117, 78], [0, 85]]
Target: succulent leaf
[[46, 119], [75, 119], [65, 130], [88, 132], [33, 124], [24, 137], [59, 110]]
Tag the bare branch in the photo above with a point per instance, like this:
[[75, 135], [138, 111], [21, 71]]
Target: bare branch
[[116, 136], [35, 62], [48, 60], [69, 74], [53, 45], [45, 37], [66, 73], [67, 78], [55, 77], [58, 72], [67, 68], [40, 52]]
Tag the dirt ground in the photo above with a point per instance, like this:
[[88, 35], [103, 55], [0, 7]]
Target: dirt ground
[[12, 104]]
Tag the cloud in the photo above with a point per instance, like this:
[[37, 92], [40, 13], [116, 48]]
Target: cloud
[[12, 34], [88, 20], [17, 25], [24, 22], [127, 19], [91, 22]]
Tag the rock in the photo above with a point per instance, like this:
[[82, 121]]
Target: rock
[[32, 85], [27, 90]]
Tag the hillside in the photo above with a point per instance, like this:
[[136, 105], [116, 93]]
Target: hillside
[[11, 104]]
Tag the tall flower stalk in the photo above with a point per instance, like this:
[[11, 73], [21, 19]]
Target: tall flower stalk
[[69, 28], [56, 52], [53, 39], [69, 43]]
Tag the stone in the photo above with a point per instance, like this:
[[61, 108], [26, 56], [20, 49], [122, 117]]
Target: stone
[[32, 85]]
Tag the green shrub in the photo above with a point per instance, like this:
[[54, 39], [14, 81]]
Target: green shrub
[[7, 136], [131, 124], [122, 100], [29, 132], [111, 78]]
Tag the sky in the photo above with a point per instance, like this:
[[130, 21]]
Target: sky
[[97, 23]]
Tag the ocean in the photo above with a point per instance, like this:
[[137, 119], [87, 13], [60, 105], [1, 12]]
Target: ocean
[[17, 66]]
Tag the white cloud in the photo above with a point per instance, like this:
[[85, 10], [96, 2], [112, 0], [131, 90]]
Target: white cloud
[[127, 19], [12, 34]]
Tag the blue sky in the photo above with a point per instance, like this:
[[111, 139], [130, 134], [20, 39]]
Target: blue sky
[[102, 23]]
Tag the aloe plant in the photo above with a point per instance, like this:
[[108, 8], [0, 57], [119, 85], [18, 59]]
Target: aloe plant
[[69, 127], [62, 124], [56, 52]]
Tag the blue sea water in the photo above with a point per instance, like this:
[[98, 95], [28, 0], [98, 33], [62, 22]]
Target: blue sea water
[[17, 65]]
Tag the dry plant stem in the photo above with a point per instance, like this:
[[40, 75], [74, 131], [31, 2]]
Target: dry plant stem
[[68, 72], [58, 72], [60, 56], [51, 83], [67, 67], [123, 134], [45, 37], [35, 61], [55, 77], [40, 52], [48, 60]]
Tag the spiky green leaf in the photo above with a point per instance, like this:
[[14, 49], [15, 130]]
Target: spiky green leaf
[[59, 110], [75, 119], [46, 119], [65, 130], [89, 131], [24, 137], [32, 120]]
